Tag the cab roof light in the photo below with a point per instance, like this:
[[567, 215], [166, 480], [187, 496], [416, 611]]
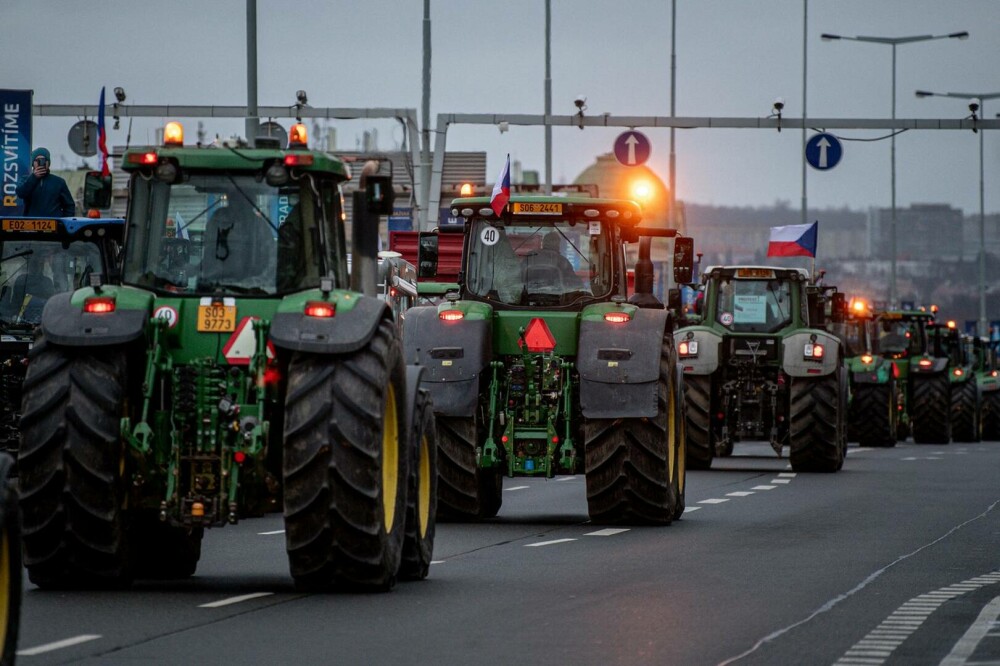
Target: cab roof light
[[298, 137], [99, 305], [451, 315], [320, 309], [173, 134], [951, 323]]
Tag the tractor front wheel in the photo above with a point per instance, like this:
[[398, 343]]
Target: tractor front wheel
[[965, 412], [345, 466], [991, 416], [929, 413], [421, 504], [465, 491], [873, 414], [815, 431], [698, 421]]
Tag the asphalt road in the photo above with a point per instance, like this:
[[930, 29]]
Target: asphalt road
[[894, 560]]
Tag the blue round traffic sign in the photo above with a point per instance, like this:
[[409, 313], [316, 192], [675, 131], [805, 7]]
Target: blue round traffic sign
[[823, 151], [632, 148]]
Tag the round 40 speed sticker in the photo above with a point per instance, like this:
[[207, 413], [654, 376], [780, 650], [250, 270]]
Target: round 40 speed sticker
[[489, 236], [726, 318], [168, 313]]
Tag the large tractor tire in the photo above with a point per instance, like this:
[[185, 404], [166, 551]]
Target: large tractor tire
[[991, 416], [164, 551], [874, 415], [345, 466], [72, 468], [816, 431], [930, 411], [465, 491], [698, 421], [421, 503], [965, 412], [10, 563], [630, 462]]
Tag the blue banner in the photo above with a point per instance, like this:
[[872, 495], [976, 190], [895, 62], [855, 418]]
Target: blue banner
[[15, 107]]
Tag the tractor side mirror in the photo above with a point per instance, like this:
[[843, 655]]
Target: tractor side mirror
[[683, 260], [427, 256], [378, 194], [96, 190], [674, 299], [838, 307]]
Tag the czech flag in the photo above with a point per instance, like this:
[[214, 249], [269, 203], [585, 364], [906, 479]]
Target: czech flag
[[102, 138], [795, 240], [501, 190]]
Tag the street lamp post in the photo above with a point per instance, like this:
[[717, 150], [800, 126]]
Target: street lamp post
[[894, 42], [978, 100]]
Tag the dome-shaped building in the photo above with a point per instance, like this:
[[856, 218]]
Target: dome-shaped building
[[639, 183]]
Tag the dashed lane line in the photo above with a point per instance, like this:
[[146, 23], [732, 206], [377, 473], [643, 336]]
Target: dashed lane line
[[235, 600], [764, 487], [566, 478], [787, 475], [517, 488], [58, 645], [785, 481], [689, 509], [547, 543], [741, 493], [271, 532], [610, 531], [713, 500]]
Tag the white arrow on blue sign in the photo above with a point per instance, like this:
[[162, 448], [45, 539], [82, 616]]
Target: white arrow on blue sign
[[632, 148], [823, 151]]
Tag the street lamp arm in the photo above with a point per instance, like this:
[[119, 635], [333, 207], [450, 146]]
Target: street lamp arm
[[893, 41]]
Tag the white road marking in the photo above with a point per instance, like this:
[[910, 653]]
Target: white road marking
[[517, 488], [933, 458], [270, 533], [908, 458], [58, 645], [610, 531], [967, 644], [788, 475], [689, 509], [547, 543], [740, 493], [764, 487], [235, 600], [860, 449], [437, 561], [714, 500], [780, 481], [566, 478]]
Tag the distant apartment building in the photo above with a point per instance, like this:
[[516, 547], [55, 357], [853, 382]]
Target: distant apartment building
[[923, 231], [970, 236]]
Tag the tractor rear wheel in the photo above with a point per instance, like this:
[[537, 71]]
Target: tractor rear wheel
[[929, 413], [815, 431], [679, 447], [10, 563], [629, 462], [965, 412], [873, 414], [991, 416], [345, 465], [698, 421], [72, 468], [421, 503], [465, 491]]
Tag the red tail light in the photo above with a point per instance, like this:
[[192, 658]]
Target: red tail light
[[298, 160], [925, 363], [320, 309], [958, 372], [617, 317], [99, 305], [451, 315], [143, 158]]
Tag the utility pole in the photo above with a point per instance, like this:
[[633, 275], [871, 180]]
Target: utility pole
[[252, 119]]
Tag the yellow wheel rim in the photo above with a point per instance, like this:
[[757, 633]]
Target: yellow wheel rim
[[424, 488], [390, 459], [682, 455], [671, 429], [4, 586]]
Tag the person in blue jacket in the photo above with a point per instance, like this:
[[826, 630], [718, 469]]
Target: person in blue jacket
[[45, 194]]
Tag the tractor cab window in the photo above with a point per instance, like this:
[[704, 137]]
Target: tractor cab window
[[529, 264], [856, 336], [756, 306], [234, 234], [900, 338], [31, 272]]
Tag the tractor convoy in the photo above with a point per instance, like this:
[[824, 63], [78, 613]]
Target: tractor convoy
[[215, 356], [234, 370]]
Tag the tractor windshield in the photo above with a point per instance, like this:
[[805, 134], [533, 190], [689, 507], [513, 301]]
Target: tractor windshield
[[233, 234], [31, 272], [529, 264], [857, 336], [899, 338], [754, 306]]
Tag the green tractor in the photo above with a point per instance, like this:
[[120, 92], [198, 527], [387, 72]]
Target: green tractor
[[877, 395], [945, 342], [538, 365], [754, 368], [234, 371], [41, 257], [986, 354]]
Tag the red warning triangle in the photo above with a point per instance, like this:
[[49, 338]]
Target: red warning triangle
[[538, 337], [243, 343]]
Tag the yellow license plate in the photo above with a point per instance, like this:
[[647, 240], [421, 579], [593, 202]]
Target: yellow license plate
[[538, 209], [30, 225], [216, 318], [758, 273]]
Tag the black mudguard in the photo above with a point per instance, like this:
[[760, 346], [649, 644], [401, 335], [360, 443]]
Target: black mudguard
[[345, 332], [68, 325], [619, 366], [453, 355]]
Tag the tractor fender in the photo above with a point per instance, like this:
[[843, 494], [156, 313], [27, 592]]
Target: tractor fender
[[619, 365], [794, 362], [453, 355], [709, 343], [66, 324], [879, 371], [346, 332]]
